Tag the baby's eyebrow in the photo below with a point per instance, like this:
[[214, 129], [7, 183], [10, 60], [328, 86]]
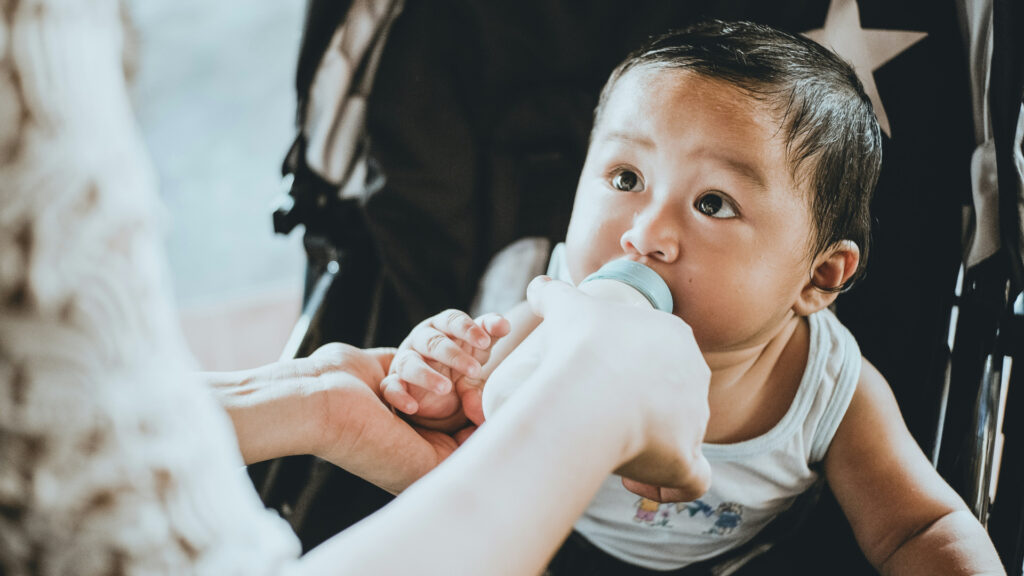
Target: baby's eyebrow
[[745, 169], [750, 172], [630, 138]]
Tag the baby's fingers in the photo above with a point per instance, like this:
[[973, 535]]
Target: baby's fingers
[[458, 325], [396, 394], [414, 370], [497, 327], [440, 347]]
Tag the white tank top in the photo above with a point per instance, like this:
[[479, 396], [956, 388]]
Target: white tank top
[[752, 481]]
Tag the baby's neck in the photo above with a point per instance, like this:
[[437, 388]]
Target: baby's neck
[[753, 387], [752, 363]]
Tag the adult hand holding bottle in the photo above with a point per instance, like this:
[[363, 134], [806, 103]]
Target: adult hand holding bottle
[[661, 427]]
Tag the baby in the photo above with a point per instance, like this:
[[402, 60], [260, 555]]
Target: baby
[[738, 162]]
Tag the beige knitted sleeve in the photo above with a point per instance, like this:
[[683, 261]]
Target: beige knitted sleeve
[[112, 460]]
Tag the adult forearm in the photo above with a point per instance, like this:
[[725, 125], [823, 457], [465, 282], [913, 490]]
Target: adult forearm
[[954, 544], [326, 405], [500, 505], [271, 416]]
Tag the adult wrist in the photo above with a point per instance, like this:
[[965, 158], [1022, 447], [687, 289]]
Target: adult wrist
[[274, 414], [600, 417]]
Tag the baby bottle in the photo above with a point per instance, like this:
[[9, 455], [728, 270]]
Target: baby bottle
[[622, 280]]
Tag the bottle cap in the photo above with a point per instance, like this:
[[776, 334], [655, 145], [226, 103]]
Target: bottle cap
[[640, 277]]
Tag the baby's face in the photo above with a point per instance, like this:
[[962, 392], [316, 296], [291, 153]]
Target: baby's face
[[689, 176]]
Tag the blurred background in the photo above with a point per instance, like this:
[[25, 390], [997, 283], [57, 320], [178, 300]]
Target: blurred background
[[214, 95]]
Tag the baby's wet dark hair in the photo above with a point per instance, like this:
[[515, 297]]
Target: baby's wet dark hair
[[833, 140]]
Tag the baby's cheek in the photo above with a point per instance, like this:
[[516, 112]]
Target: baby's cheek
[[584, 258]]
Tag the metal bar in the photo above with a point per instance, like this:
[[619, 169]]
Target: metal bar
[[985, 433], [954, 317], [300, 335]]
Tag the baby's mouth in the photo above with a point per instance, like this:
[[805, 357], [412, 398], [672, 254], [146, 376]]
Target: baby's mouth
[[640, 258]]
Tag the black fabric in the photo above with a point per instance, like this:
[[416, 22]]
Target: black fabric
[[579, 557], [478, 123]]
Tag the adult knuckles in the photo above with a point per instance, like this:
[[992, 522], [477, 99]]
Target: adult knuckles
[[692, 476], [334, 352], [700, 477], [336, 355]]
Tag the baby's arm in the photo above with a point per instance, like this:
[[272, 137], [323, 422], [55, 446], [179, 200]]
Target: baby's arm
[[907, 520]]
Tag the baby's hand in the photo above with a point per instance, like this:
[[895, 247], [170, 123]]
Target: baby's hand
[[436, 375]]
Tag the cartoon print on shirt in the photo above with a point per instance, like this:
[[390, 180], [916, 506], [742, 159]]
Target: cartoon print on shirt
[[729, 515], [695, 507], [649, 512], [664, 519], [646, 511]]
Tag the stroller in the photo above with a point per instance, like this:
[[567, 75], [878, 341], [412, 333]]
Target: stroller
[[434, 137]]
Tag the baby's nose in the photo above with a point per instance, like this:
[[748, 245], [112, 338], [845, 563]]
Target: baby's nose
[[652, 236]]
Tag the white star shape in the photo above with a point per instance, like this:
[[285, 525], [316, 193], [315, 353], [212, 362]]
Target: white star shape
[[866, 50]]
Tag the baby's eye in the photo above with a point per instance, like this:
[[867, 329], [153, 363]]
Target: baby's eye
[[715, 205], [627, 181]]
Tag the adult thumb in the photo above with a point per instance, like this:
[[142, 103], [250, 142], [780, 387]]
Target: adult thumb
[[545, 293]]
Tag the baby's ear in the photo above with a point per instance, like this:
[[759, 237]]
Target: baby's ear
[[830, 272]]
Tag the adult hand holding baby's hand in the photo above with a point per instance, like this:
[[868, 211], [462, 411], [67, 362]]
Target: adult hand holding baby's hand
[[638, 372], [328, 405], [436, 375]]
